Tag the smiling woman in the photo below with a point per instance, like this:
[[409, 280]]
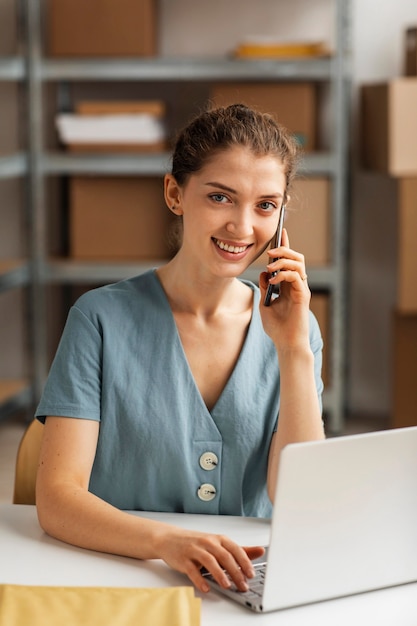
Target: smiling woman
[[176, 390]]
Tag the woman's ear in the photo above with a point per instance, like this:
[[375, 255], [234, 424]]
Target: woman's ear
[[172, 193]]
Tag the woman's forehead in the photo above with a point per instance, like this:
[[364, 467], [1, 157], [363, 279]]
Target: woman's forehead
[[239, 162]]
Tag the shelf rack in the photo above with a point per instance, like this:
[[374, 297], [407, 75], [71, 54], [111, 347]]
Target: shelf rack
[[14, 273], [40, 164]]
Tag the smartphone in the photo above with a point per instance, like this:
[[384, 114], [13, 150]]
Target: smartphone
[[275, 243]]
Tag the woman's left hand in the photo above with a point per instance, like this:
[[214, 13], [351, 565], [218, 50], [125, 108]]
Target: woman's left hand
[[286, 319]]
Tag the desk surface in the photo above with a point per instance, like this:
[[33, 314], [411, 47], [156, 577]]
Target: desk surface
[[29, 557]]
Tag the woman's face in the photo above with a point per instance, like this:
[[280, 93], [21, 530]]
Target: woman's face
[[231, 209]]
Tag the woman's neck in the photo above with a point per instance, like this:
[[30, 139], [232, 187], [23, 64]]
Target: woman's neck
[[191, 290]]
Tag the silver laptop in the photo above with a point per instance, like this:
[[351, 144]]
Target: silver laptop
[[344, 521]]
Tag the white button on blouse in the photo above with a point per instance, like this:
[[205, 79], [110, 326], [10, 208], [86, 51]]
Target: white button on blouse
[[209, 461], [206, 492]]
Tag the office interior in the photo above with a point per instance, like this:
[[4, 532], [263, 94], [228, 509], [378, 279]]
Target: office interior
[[363, 259]]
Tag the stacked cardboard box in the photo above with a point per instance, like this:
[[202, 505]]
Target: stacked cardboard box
[[389, 127], [293, 104], [101, 28], [114, 126], [118, 218], [389, 142]]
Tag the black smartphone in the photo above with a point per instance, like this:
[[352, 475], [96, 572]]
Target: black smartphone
[[275, 243]]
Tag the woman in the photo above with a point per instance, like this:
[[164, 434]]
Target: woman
[[170, 383]]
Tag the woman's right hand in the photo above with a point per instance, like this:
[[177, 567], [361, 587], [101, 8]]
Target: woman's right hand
[[190, 551]]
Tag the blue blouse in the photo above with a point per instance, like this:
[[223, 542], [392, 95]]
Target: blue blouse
[[120, 361]]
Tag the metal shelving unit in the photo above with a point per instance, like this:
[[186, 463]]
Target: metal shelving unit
[[12, 68], [42, 164], [14, 273]]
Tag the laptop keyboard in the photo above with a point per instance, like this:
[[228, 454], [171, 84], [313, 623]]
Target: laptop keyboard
[[256, 584]]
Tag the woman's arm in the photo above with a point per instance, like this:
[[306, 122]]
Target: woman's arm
[[69, 512], [299, 415], [286, 321]]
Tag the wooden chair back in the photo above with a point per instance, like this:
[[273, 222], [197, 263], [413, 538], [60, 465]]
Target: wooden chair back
[[27, 464]]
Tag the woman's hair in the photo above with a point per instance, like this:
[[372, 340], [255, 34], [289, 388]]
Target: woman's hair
[[218, 129]]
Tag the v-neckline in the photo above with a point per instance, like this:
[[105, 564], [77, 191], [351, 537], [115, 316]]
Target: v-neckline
[[187, 367]]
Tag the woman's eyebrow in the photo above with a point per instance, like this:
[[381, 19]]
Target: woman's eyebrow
[[221, 186], [230, 190]]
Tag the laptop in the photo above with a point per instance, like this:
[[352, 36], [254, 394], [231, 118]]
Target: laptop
[[344, 521]]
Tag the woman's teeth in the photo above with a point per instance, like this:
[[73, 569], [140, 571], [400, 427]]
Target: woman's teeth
[[227, 248]]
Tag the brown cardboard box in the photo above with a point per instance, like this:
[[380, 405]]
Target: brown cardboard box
[[405, 371], [118, 218], [407, 246], [308, 221], [320, 306], [389, 127], [96, 28], [293, 104], [411, 51]]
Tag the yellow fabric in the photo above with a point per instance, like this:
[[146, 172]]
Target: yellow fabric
[[97, 606]]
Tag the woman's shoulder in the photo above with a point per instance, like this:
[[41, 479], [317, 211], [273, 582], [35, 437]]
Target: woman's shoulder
[[140, 286], [126, 297]]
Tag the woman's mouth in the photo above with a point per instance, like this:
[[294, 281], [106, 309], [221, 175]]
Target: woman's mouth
[[228, 247]]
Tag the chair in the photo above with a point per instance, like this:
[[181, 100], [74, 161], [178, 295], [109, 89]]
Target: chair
[[27, 464]]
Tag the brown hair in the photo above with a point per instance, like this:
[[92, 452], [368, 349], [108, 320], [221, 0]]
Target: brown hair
[[236, 125]]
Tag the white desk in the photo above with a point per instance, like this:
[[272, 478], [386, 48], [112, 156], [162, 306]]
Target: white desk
[[29, 557]]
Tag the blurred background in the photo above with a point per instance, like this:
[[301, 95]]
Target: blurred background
[[91, 96]]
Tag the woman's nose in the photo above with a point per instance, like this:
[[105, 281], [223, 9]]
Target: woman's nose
[[240, 224]]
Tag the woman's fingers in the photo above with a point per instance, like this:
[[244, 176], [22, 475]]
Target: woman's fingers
[[226, 561], [285, 239], [285, 265]]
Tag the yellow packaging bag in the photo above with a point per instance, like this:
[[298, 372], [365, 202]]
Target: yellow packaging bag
[[21, 605]]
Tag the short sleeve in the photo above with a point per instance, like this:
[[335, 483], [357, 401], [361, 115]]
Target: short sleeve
[[316, 344], [73, 387]]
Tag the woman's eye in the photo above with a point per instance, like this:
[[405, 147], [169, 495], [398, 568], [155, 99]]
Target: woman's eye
[[267, 206], [219, 197]]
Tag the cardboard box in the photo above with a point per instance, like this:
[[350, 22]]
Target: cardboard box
[[97, 28], [308, 221], [320, 306], [407, 246], [118, 218], [154, 108], [411, 51], [404, 411], [293, 105], [389, 127]]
